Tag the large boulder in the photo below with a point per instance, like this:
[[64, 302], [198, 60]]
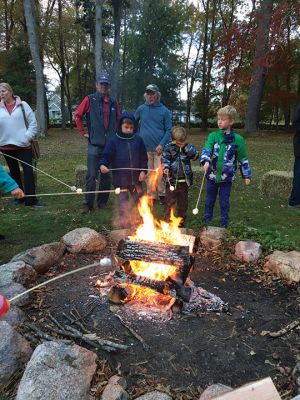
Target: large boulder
[[115, 389], [14, 317], [286, 265], [248, 251], [18, 272], [57, 371], [84, 240], [214, 391], [41, 258], [155, 395], [211, 237], [12, 277], [15, 351]]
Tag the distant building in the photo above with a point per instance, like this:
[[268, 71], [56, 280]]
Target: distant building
[[54, 107]]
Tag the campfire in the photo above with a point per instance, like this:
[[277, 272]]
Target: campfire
[[153, 267]]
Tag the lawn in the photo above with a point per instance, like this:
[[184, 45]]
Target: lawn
[[268, 220]]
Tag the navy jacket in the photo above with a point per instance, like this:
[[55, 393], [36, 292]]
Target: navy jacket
[[125, 151], [98, 135], [296, 126], [175, 157]]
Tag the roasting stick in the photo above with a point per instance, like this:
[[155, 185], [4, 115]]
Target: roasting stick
[[55, 279], [196, 210], [43, 172], [78, 191]]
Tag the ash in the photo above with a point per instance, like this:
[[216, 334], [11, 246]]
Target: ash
[[203, 301]]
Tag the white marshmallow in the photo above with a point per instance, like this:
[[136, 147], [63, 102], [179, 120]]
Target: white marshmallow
[[73, 188], [195, 211], [117, 190], [172, 188], [105, 262], [78, 190]]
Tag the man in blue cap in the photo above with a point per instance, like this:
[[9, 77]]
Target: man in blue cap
[[102, 113], [155, 129]]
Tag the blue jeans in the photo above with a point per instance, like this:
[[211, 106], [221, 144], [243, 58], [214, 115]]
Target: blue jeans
[[295, 194], [93, 157], [212, 190]]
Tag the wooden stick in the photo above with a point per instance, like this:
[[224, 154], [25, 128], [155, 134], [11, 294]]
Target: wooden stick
[[135, 334], [282, 331]]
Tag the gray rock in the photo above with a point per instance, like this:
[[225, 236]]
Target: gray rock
[[18, 272], [84, 240], [11, 290], [41, 258], [14, 317], [15, 351], [296, 398], [213, 391], [115, 389], [57, 371], [248, 251], [211, 237], [286, 265], [80, 175], [155, 395]]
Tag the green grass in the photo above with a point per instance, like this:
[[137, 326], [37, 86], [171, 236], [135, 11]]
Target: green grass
[[268, 220]]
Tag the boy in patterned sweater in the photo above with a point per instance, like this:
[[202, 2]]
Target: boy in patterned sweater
[[222, 151]]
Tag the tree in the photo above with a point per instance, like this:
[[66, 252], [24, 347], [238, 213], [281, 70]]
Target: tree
[[98, 37], [35, 54], [117, 13], [259, 67]]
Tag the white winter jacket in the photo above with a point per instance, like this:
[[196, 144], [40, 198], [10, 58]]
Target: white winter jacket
[[12, 126]]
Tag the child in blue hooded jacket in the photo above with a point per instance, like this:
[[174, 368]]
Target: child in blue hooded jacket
[[7, 184], [126, 155]]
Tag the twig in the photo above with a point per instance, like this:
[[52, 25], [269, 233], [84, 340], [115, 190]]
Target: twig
[[282, 331], [135, 334], [38, 332], [74, 321]]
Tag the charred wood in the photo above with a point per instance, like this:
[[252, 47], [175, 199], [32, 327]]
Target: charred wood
[[160, 253]]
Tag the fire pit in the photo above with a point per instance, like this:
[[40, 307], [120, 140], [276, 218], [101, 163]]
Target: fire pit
[[153, 267]]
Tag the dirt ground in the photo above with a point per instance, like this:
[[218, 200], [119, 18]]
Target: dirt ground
[[187, 352]]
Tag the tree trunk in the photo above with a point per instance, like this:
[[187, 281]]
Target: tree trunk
[[117, 7], [98, 37], [62, 67], [40, 82], [258, 77]]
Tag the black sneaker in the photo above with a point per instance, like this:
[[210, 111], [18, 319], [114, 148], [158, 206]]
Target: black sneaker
[[2, 237], [294, 206], [38, 204], [101, 206], [162, 200], [17, 202]]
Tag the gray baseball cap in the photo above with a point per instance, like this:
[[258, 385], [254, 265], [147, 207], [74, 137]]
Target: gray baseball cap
[[152, 88], [103, 78]]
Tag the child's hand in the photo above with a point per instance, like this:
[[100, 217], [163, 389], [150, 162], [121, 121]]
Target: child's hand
[[166, 171], [142, 176], [104, 169], [17, 193], [247, 181], [205, 166]]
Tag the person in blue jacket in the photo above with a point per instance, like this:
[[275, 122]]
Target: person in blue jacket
[[155, 127], [126, 155], [7, 184]]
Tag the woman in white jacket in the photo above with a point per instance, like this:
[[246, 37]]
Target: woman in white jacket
[[16, 132]]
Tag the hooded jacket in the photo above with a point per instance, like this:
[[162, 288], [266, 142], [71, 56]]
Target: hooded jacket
[[7, 184], [125, 151], [12, 126], [223, 152], [154, 124], [296, 126], [175, 157]]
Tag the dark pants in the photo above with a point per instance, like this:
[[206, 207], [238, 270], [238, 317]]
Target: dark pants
[[178, 196], [93, 157], [212, 190], [136, 192], [295, 194], [14, 169]]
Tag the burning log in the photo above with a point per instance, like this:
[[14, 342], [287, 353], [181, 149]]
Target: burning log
[[120, 294], [160, 253]]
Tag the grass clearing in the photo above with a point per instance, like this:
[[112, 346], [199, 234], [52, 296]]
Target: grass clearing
[[253, 216]]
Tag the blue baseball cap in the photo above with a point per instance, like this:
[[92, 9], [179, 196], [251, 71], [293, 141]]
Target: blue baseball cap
[[103, 78]]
